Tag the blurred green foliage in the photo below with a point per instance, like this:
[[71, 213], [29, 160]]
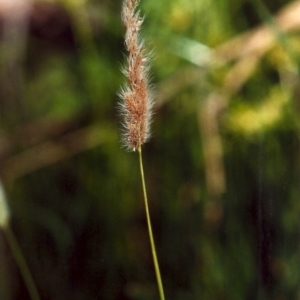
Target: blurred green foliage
[[222, 172]]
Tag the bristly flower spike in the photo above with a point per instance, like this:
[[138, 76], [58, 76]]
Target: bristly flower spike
[[136, 106], [136, 97]]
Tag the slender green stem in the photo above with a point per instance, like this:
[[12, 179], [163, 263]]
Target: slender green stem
[[21, 262], [155, 260]]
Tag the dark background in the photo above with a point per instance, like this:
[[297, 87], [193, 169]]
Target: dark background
[[222, 166]]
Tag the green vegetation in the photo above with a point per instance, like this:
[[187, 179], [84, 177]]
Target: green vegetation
[[222, 167]]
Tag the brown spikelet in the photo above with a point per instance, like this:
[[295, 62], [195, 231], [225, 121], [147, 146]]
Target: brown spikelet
[[136, 97]]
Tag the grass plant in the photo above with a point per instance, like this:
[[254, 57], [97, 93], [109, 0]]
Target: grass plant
[[136, 105]]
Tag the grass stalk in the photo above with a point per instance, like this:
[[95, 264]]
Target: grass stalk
[[151, 238], [21, 262]]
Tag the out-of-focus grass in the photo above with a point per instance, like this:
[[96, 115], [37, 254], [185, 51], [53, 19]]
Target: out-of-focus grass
[[75, 195]]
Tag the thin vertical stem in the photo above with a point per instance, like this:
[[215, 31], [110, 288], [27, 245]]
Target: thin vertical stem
[[155, 260], [21, 262]]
